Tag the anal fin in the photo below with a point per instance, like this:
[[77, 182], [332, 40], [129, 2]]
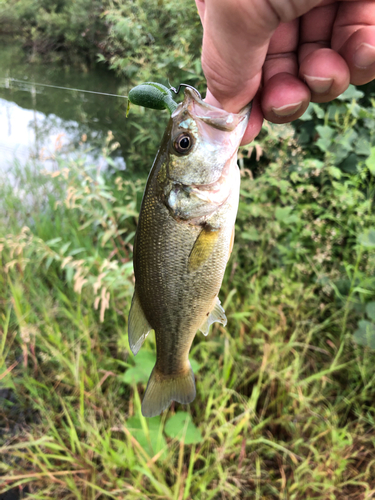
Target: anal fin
[[217, 314], [138, 326]]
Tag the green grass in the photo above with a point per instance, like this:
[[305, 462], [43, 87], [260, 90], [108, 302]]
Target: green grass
[[285, 395]]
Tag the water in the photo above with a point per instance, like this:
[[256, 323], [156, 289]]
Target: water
[[35, 120]]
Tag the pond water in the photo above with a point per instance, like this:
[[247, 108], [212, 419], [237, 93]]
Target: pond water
[[36, 119]]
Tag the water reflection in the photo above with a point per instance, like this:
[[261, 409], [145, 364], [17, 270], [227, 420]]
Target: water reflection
[[35, 120]]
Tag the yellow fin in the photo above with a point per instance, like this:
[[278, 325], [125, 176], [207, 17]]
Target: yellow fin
[[203, 248], [138, 326], [217, 314], [162, 390]]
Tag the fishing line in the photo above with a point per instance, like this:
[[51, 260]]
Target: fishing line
[[8, 80]]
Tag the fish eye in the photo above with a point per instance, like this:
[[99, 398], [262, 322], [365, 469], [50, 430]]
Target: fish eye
[[183, 143]]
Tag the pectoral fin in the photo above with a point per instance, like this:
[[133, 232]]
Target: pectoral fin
[[217, 314], [138, 326], [203, 248]]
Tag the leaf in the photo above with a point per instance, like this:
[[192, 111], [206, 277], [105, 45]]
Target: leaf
[[65, 247], [335, 110], [370, 162], [140, 373], [176, 425], [251, 234], [335, 172], [349, 165], [318, 110], [307, 114], [156, 442], [107, 235], [367, 239], [195, 366], [363, 147], [284, 214], [77, 250], [325, 137], [365, 334], [313, 163], [49, 262], [110, 160], [53, 242], [370, 310], [351, 93], [348, 139]]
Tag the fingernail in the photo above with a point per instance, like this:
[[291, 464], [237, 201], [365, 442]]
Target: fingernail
[[364, 56], [318, 84], [288, 109]]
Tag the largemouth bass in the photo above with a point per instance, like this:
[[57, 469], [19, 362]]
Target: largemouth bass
[[183, 241]]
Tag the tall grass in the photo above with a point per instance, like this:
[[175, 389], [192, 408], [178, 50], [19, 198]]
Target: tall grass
[[285, 393]]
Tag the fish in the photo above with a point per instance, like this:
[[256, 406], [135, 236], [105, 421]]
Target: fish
[[183, 242]]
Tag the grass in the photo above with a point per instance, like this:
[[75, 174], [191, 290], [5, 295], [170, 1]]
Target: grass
[[285, 395]]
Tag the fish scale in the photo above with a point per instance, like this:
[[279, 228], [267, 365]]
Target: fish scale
[[180, 258]]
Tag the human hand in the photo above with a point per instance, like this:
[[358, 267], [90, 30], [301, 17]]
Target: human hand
[[297, 51]]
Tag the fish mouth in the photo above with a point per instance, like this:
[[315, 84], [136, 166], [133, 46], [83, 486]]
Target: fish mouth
[[213, 116]]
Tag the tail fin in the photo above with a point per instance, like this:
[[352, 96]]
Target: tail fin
[[163, 389]]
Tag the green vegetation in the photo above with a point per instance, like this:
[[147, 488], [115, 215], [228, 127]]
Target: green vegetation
[[142, 40], [285, 393]]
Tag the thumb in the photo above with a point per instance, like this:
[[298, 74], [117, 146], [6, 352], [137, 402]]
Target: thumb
[[236, 36]]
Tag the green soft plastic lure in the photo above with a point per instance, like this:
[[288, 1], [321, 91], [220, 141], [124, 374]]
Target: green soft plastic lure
[[156, 96], [152, 95]]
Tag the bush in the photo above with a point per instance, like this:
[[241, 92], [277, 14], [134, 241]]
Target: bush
[[139, 39]]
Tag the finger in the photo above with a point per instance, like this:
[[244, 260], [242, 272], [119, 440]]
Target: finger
[[233, 51], [281, 56], [287, 10], [354, 39], [326, 73], [322, 69], [236, 34], [316, 29], [201, 6], [284, 96]]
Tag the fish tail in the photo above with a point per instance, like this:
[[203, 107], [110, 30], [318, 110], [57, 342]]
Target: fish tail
[[163, 389]]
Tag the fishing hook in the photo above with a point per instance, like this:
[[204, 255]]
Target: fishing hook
[[185, 85]]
